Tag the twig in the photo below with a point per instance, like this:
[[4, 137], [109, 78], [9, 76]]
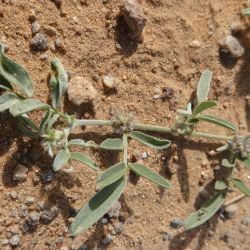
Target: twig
[[234, 200]]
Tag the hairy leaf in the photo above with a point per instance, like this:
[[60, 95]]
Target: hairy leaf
[[111, 175], [52, 121], [206, 212], [150, 140], [14, 74], [204, 86], [218, 121], [246, 162], [83, 159], [58, 83], [246, 12], [7, 100], [45, 121], [81, 143], [26, 106], [97, 207], [241, 186], [203, 106], [226, 163], [112, 144], [220, 185], [27, 131], [61, 159], [150, 175]]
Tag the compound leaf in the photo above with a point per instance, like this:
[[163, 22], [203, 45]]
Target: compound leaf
[[12, 73], [7, 100], [204, 86], [206, 212], [26, 106], [97, 207], [203, 106], [150, 141], [112, 144], [61, 159], [241, 186], [150, 175], [83, 159], [218, 121], [111, 175]]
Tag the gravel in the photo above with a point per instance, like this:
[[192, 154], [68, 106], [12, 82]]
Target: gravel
[[245, 221], [167, 236], [47, 177], [119, 227], [20, 173], [15, 240], [39, 42], [29, 200], [107, 240], [34, 218], [35, 27], [232, 45], [109, 82], [230, 211], [176, 223], [114, 211], [49, 214]]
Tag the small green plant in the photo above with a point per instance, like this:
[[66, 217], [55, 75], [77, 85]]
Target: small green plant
[[56, 126]]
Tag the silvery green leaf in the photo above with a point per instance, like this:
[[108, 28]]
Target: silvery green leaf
[[82, 143], [150, 141], [27, 131], [203, 106], [45, 121], [206, 212], [25, 119], [220, 185], [246, 12], [14, 74], [226, 163], [216, 120], [58, 83], [150, 175], [52, 121], [112, 144], [97, 207], [26, 106], [7, 100], [111, 175], [241, 186], [61, 159], [246, 162], [83, 159], [204, 86]]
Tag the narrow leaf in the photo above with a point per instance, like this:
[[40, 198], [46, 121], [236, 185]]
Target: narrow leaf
[[81, 143], [25, 119], [203, 106], [246, 162], [204, 86], [150, 175], [26, 106], [226, 163], [111, 175], [58, 83], [97, 207], [7, 100], [45, 121], [52, 121], [241, 186], [112, 144], [61, 159], [220, 185], [218, 121], [14, 74], [26, 131], [206, 212], [83, 159], [150, 140], [246, 12]]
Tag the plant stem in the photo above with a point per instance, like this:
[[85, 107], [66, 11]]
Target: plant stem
[[234, 200], [125, 148], [153, 128]]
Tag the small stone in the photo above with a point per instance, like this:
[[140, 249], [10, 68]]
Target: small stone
[[29, 200], [50, 30], [49, 214], [80, 90], [13, 195], [59, 44], [233, 45], [167, 236], [195, 44], [44, 57], [20, 173], [144, 155], [114, 211], [34, 218], [13, 212], [47, 177], [119, 227], [204, 176], [204, 163], [176, 223], [15, 240], [226, 237], [39, 42], [25, 227], [4, 242], [107, 240], [245, 221], [230, 211], [109, 82], [135, 18], [35, 27], [104, 220]]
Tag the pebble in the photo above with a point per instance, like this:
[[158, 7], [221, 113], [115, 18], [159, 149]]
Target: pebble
[[114, 211], [39, 42], [245, 221], [35, 27], [104, 220], [167, 236], [50, 30], [119, 227], [4, 242], [29, 200], [49, 214], [230, 211], [59, 44], [20, 173], [109, 82], [80, 90], [34, 218], [15, 240], [195, 44], [48, 176], [107, 240], [135, 18], [232, 45], [144, 155], [176, 223], [25, 227], [13, 195]]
